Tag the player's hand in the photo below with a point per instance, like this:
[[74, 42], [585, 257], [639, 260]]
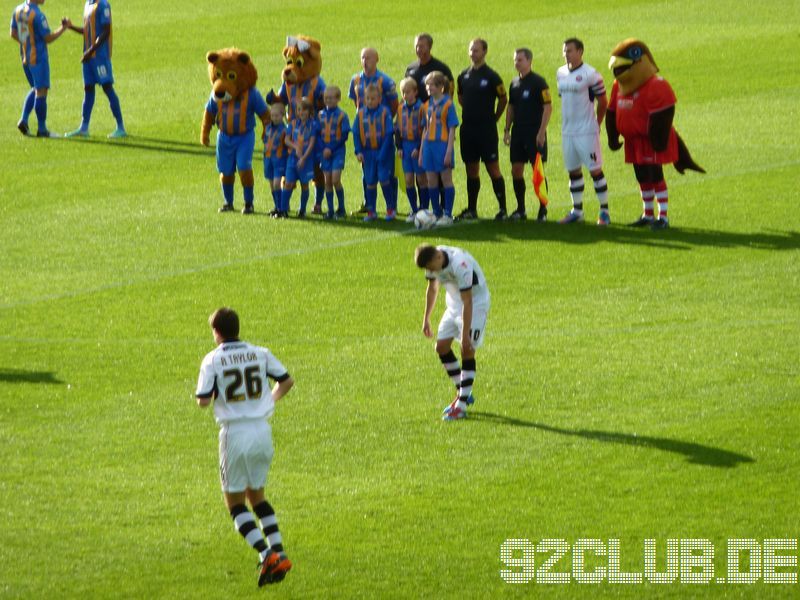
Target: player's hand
[[507, 138], [466, 344], [415, 153], [400, 153], [204, 139], [614, 144], [426, 329], [326, 153], [87, 55], [360, 158], [541, 139], [301, 162]]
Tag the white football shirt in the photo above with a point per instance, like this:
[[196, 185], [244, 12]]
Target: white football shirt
[[237, 375], [578, 90], [462, 272]]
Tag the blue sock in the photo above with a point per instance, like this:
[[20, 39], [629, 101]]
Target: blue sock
[[371, 198], [86, 110], [449, 200], [113, 102], [329, 198], [276, 198], [340, 198], [424, 198], [319, 193], [304, 194], [395, 186], [40, 106], [411, 192], [286, 195], [433, 195], [386, 188], [27, 105], [248, 195], [227, 193]]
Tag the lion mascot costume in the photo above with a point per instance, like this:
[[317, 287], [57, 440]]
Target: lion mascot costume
[[301, 79], [641, 109], [233, 106]]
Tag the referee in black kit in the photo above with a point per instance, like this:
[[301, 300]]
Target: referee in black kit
[[483, 99]]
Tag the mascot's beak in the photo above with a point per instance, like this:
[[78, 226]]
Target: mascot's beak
[[619, 61]]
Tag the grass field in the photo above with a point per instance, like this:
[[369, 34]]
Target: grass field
[[632, 386]]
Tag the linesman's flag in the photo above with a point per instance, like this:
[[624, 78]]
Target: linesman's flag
[[538, 179]]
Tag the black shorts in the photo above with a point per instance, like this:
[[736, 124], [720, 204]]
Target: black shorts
[[478, 142], [523, 146]]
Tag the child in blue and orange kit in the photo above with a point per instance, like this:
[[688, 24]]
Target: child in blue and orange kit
[[436, 152], [301, 137], [408, 131], [275, 154], [334, 127], [374, 145]]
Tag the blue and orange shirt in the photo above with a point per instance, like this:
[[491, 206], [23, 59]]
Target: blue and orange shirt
[[334, 127], [273, 141], [302, 134], [411, 121], [384, 83], [238, 116], [440, 118], [96, 19], [373, 130], [291, 93], [31, 26]]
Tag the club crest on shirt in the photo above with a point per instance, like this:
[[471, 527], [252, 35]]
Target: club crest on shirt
[[579, 78], [484, 82], [526, 94]]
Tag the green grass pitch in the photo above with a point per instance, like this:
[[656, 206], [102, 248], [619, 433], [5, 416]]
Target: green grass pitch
[[632, 386]]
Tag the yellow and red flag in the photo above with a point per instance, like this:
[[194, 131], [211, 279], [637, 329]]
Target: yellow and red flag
[[538, 179]]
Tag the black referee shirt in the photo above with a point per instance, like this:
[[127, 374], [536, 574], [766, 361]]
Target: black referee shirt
[[478, 90], [528, 95], [420, 72]]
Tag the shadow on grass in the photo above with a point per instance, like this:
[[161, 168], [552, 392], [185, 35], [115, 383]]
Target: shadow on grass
[[133, 142], [22, 376], [675, 238], [696, 454]]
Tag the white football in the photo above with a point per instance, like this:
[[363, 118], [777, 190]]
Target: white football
[[424, 219]]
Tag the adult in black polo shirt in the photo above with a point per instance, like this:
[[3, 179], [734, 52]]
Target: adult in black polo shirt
[[483, 99], [426, 64], [529, 110]]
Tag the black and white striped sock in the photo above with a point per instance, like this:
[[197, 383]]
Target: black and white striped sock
[[246, 525], [450, 364], [467, 381], [269, 523]]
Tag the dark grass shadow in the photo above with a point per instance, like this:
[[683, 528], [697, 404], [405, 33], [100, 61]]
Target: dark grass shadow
[[696, 454], [23, 376], [133, 142], [675, 238]]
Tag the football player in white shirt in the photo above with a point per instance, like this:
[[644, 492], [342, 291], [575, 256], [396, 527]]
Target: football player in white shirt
[[467, 306], [235, 376], [579, 86]]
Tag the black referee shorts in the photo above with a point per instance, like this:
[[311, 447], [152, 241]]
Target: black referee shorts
[[523, 146], [478, 142]]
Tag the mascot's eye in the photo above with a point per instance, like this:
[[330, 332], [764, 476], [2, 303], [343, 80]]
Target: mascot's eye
[[231, 75], [289, 61], [634, 53], [217, 74], [300, 62]]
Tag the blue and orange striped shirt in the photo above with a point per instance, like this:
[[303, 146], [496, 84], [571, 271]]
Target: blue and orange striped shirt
[[238, 116], [302, 134], [334, 127], [440, 118], [31, 26], [373, 130], [411, 121], [291, 93], [273, 141], [96, 19], [384, 83]]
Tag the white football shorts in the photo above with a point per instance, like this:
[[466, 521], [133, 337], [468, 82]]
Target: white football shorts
[[582, 150], [451, 325], [245, 454]]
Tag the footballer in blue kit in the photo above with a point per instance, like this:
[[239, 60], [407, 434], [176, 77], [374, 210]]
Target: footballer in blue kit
[[373, 139], [275, 154], [233, 109], [334, 131], [408, 131], [301, 138], [30, 30], [96, 59]]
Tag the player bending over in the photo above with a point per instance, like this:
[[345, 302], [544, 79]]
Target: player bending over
[[467, 306]]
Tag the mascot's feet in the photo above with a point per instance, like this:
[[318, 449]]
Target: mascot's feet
[[226, 208], [660, 224], [643, 221], [248, 209]]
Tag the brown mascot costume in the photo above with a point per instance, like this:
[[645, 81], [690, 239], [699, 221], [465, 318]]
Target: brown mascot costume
[[301, 79], [233, 106], [641, 109]]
